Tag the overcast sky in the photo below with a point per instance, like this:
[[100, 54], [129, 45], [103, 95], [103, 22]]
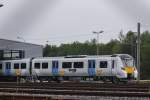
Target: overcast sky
[[65, 21]]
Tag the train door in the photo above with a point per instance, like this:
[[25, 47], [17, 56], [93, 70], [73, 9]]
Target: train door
[[91, 68], [8, 68], [1, 69], [113, 67], [55, 68]]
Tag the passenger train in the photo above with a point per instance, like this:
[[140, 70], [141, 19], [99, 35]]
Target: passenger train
[[114, 68]]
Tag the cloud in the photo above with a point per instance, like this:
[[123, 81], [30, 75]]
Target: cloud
[[41, 20], [136, 10], [24, 16]]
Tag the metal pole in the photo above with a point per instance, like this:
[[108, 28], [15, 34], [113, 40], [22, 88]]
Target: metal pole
[[98, 33], [138, 50], [97, 44]]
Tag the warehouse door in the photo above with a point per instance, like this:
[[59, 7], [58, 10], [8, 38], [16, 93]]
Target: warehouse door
[[91, 67], [55, 68]]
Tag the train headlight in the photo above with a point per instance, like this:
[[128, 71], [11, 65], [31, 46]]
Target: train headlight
[[135, 73], [123, 69], [129, 69]]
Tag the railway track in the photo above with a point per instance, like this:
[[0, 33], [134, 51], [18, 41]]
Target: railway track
[[81, 84], [82, 88], [75, 92], [77, 89]]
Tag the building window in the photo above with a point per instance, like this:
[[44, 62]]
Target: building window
[[78, 64], [16, 65], [23, 65], [44, 65], [103, 64], [66, 65], [37, 65]]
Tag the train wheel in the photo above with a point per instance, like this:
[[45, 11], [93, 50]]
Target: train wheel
[[125, 82], [96, 78], [84, 78], [41, 80], [115, 80], [104, 79]]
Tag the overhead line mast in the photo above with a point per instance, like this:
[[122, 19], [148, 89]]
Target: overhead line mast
[[138, 50]]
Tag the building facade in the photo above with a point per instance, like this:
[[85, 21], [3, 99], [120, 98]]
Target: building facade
[[27, 50]]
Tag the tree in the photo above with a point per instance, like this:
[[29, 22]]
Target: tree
[[145, 58]]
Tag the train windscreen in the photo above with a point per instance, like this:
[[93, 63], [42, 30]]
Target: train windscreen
[[127, 60]]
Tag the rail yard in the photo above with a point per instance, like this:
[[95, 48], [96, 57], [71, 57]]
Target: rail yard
[[74, 90], [73, 77], [74, 50]]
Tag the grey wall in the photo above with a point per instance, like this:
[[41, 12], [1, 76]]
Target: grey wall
[[31, 50]]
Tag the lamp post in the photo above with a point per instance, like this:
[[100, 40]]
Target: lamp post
[[47, 42], [18, 37], [1, 5], [98, 33]]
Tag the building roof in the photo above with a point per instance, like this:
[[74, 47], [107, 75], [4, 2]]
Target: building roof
[[20, 42]]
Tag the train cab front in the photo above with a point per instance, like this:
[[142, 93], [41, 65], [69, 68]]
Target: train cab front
[[131, 72], [129, 67]]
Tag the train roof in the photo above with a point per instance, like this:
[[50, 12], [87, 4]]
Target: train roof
[[63, 57], [85, 56], [122, 56], [26, 59]]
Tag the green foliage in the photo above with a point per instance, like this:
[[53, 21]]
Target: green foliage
[[145, 58], [125, 44]]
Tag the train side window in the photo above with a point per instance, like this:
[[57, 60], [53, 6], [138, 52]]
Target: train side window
[[66, 64], [78, 64], [23, 65], [103, 64], [16, 65], [0, 66], [91, 64], [8, 65], [44, 65], [37, 65], [57, 64]]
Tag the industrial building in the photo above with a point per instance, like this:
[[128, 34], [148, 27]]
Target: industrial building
[[16, 49]]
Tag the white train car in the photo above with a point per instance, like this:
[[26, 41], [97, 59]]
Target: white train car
[[110, 67], [116, 67], [10, 69]]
